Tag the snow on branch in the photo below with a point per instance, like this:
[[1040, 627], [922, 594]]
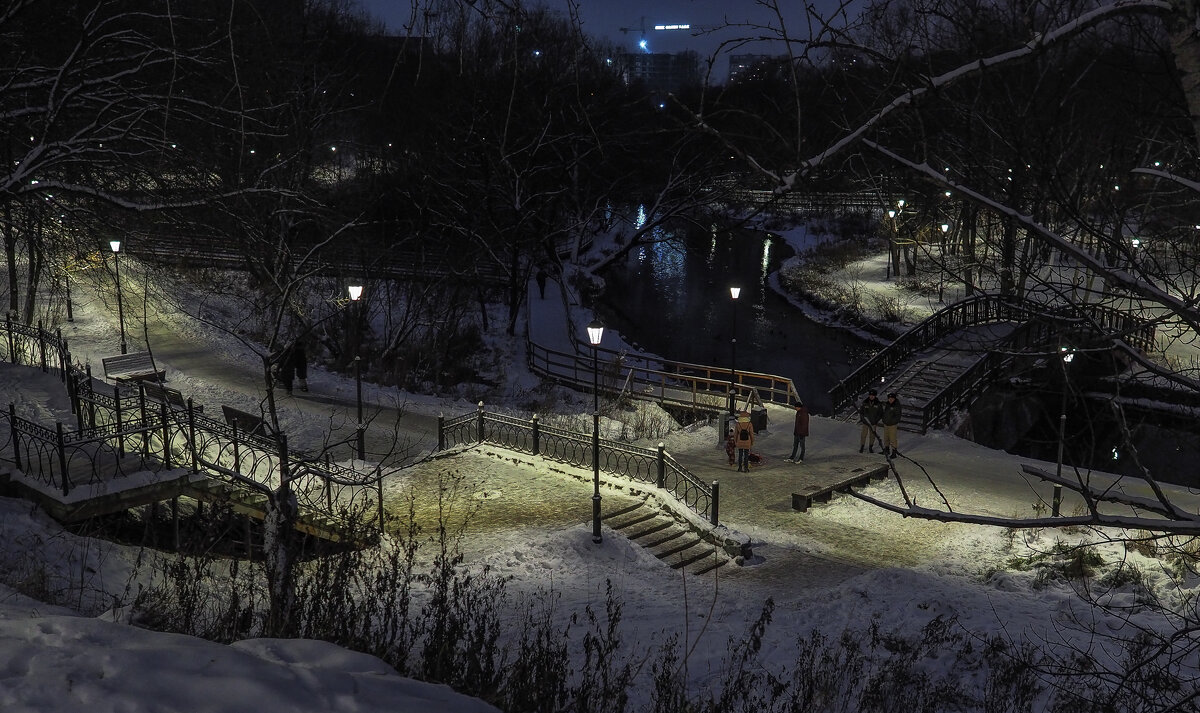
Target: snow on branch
[[1184, 309], [1037, 44]]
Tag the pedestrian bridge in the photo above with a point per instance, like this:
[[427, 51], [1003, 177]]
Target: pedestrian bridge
[[947, 360]]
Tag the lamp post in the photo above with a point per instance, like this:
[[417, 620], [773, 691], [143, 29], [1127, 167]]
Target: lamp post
[[356, 293], [1056, 503], [595, 332], [733, 293], [116, 248]]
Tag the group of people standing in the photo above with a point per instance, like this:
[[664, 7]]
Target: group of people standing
[[872, 414]]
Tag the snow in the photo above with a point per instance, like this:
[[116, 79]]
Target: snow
[[842, 567]]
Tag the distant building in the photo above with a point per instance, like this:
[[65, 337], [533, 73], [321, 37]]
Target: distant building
[[659, 71], [742, 65]]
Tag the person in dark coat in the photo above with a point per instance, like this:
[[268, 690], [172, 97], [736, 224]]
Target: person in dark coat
[[799, 433], [743, 438], [869, 413], [541, 282], [293, 365], [890, 416], [300, 364]]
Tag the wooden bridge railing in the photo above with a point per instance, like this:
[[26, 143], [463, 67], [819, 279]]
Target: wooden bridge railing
[[698, 387], [565, 446]]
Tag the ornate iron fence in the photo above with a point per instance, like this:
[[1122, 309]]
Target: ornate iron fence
[[121, 433], [563, 445]]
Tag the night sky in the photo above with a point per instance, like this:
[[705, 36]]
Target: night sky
[[604, 18]]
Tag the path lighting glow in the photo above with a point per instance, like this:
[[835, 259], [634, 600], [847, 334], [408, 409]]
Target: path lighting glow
[[355, 291], [945, 227], [595, 332], [891, 214]]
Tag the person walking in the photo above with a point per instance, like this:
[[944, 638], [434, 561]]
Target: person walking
[[293, 364], [743, 438], [541, 281], [890, 416], [799, 433], [300, 363], [869, 413], [730, 445]]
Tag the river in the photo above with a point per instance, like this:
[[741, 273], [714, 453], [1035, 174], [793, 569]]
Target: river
[[672, 299]]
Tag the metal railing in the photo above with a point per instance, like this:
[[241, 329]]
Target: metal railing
[[985, 309], [122, 433], [654, 466]]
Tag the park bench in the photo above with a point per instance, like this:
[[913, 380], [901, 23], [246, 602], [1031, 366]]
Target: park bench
[[137, 366], [811, 494], [246, 422], [155, 391]]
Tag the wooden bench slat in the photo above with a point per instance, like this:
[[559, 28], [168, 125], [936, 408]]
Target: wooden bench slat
[[137, 366]]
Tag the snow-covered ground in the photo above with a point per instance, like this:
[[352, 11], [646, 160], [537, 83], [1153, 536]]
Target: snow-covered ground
[[843, 567]]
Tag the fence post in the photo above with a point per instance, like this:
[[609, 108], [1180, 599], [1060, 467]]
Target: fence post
[[662, 466], [42, 346], [166, 434], [91, 392], [12, 423], [64, 360], [12, 347], [441, 432], [537, 435], [237, 457], [714, 511], [62, 457], [479, 436], [192, 437], [117, 411]]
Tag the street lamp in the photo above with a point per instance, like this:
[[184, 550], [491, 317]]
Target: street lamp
[[733, 293], [356, 293], [1056, 503], [595, 332], [116, 248]]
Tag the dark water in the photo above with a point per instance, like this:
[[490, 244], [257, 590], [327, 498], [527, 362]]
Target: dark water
[[673, 299]]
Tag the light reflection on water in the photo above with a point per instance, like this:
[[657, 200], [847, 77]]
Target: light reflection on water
[[672, 299]]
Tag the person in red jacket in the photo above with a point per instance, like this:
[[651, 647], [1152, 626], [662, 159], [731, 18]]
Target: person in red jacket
[[799, 433]]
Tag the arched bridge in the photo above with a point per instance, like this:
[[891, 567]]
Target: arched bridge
[[947, 360]]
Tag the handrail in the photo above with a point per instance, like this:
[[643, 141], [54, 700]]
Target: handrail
[[695, 386], [567, 446], [114, 425], [984, 309]]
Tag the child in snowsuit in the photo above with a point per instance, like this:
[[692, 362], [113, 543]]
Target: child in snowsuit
[[730, 448]]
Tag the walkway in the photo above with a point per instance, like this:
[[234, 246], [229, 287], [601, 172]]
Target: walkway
[[216, 368]]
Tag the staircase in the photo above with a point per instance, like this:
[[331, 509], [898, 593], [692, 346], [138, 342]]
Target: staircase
[[678, 545], [916, 381]]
